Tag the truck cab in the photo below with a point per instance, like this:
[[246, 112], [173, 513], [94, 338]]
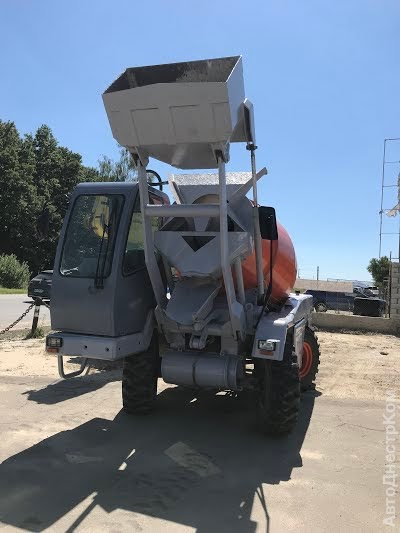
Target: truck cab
[[100, 263]]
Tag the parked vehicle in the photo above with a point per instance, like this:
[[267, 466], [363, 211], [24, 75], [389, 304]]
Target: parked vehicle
[[341, 301], [365, 292], [40, 285], [326, 300], [374, 290]]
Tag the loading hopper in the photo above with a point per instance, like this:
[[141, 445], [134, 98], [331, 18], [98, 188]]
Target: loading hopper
[[179, 113]]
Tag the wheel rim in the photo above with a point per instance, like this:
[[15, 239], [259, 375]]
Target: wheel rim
[[306, 362]]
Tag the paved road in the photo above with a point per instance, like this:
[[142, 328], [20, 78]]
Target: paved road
[[73, 461], [13, 305]]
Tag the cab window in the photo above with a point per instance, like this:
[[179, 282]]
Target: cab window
[[134, 249], [90, 236]]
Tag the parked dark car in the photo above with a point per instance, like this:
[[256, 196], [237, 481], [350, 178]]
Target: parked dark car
[[340, 301], [364, 292], [40, 285], [324, 300]]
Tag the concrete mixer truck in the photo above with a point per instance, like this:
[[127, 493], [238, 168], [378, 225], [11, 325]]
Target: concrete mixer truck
[[194, 289]]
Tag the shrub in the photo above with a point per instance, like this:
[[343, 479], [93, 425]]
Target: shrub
[[37, 334], [13, 273]]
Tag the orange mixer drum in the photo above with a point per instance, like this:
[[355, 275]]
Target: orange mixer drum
[[284, 266]]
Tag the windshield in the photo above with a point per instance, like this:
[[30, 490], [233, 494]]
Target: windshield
[[90, 237]]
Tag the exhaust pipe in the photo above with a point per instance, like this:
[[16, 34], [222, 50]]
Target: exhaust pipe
[[197, 369]]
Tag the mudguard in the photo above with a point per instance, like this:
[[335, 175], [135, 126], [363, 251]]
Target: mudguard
[[273, 327]]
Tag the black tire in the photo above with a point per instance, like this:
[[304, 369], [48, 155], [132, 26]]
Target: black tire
[[139, 379], [278, 401], [310, 363], [321, 307]]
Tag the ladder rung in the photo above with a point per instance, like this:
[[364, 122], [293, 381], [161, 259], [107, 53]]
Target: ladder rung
[[182, 210]]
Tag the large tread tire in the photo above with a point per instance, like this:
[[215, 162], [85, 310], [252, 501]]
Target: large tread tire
[[139, 379], [310, 366], [279, 398]]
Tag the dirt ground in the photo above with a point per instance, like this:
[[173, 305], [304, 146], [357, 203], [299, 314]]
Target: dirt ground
[[354, 366], [71, 460], [361, 367]]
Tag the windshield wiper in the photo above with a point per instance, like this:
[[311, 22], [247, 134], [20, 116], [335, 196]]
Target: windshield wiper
[[99, 277]]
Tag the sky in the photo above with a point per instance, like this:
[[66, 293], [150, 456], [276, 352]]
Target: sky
[[323, 76]]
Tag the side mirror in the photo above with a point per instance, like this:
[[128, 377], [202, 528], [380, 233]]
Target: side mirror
[[268, 226]]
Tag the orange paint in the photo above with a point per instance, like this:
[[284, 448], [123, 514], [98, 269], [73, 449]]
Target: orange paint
[[306, 363], [284, 266]]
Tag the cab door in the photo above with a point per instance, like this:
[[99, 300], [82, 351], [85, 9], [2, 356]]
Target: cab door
[[85, 273], [134, 295], [100, 280]]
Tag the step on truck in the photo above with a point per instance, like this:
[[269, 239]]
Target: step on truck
[[194, 289]]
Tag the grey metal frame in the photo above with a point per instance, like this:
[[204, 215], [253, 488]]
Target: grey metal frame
[[150, 258], [225, 264], [187, 114], [256, 225], [202, 210]]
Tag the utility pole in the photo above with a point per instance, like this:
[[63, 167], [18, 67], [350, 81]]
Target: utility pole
[[317, 273]]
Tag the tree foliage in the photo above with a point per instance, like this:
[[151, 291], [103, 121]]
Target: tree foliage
[[121, 170], [36, 175], [379, 269]]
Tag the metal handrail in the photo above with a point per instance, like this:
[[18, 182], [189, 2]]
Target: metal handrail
[[67, 375], [182, 210]]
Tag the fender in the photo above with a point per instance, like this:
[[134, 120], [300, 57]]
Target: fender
[[274, 326]]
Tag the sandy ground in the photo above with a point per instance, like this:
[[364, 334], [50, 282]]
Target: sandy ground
[[20, 357], [71, 460], [361, 367]]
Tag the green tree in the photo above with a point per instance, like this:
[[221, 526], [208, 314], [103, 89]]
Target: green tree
[[379, 269], [18, 197], [36, 178], [121, 170], [36, 175]]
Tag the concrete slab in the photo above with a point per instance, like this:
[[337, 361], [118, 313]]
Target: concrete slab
[[70, 460], [347, 321], [76, 462]]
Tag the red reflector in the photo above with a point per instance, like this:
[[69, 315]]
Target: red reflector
[[51, 350], [266, 352]]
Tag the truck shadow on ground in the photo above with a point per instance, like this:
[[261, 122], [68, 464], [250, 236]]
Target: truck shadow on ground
[[71, 388], [123, 464]]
